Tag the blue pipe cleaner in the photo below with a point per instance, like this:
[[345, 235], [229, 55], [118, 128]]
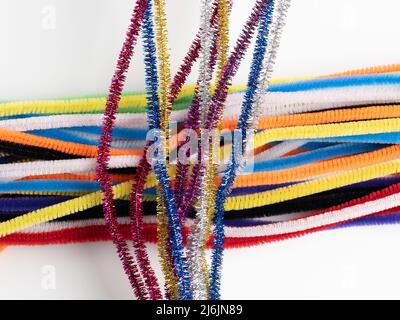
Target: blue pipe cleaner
[[64, 135], [174, 227], [118, 132], [336, 82], [382, 138], [374, 220], [312, 156], [28, 204]]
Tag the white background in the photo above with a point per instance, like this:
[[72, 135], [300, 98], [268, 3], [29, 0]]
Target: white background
[[75, 55]]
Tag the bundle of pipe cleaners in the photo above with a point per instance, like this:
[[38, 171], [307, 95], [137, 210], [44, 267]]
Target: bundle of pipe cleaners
[[204, 166]]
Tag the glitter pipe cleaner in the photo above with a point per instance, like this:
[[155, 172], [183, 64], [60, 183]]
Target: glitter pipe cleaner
[[200, 230], [269, 60], [209, 65], [218, 99], [249, 120], [165, 250], [194, 106], [166, 202], [202, 188], [178, 79], [116, 87], [136, 224], [196, 238], [212, 169], [224, 8], [259, 53], [195, 109], [182, 73], [144, 166], [205, 71], [154, 122], [201, 227], [172, 289], [231, 68], [221, 94], [171, 257]]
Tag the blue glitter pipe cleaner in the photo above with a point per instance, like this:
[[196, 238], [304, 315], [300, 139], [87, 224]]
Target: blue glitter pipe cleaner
[[174, 226]]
